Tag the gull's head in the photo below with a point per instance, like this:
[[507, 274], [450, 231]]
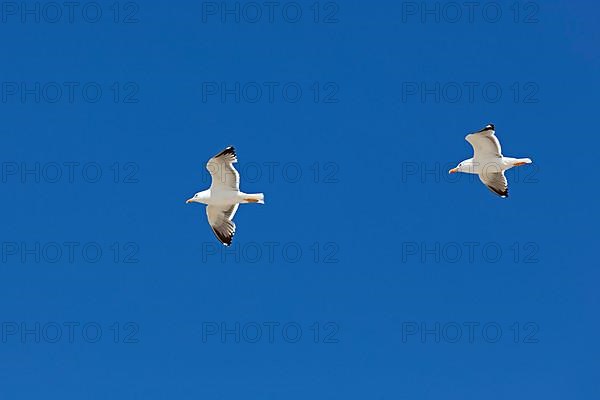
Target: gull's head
[[199, 197], [463, 166], [456, 169]]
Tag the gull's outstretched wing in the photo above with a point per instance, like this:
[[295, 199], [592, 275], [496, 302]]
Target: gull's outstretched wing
[[496, 182], [221, 222], [485, 143], [224, 175]]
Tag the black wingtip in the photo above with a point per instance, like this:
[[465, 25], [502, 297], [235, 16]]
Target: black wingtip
[[488, 127], [503, 194], [229, 150], [499, 192], [226, 240]]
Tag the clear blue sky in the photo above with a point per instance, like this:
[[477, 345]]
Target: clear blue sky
[[106, 129]]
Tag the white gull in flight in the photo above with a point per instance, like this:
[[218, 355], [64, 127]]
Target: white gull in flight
[[224, 196], [488, 161]]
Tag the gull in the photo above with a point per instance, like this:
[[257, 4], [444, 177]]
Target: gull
[[224, 196], [488, 161]]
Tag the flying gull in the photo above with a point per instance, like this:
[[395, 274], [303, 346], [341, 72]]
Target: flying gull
[[488, 161], [224, 196]]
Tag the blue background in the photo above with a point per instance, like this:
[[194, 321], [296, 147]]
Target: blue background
[[370, 139]]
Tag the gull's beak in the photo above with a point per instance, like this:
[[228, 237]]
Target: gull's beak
[[453, 171], [189, 201]]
